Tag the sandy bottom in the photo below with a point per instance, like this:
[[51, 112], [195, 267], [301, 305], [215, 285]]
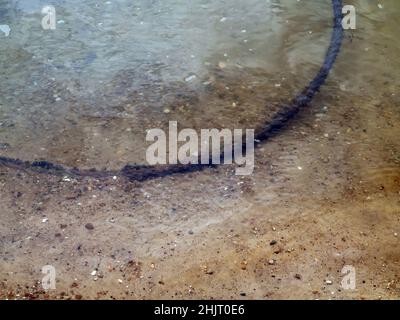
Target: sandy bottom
[[326, 190]]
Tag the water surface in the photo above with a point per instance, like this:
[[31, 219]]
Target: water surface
[[84, 94]]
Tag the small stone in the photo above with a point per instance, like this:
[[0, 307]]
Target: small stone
[[190, 78], [273, 242], [93, 273], [297, 276], [222, 65], [328, 282], [271, 262], [5, 29], [89, 226]]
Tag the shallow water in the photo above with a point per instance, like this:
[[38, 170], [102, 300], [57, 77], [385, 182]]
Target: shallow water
[[326, 188], [85, 94]]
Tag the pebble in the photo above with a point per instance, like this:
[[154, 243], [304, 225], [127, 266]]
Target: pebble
[[89, 226], [271, 262], [328, 282], [190, 78], [273, 242], [5, 29]]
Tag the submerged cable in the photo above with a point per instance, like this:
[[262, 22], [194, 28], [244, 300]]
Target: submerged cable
[[143, 172]]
